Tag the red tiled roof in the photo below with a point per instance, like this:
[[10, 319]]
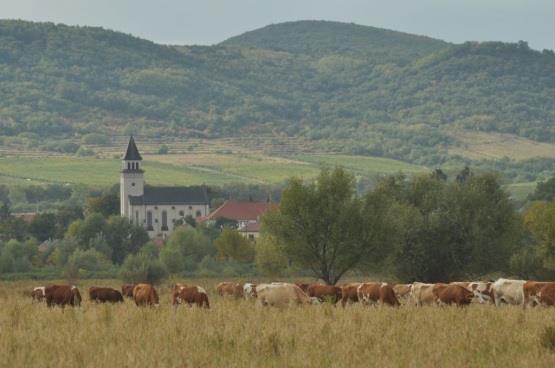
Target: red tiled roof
[[240, 211], [251, 227]]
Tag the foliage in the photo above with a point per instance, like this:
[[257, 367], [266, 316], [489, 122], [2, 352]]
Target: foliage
[[270, 259], [545, 191], [142, 268], [233, 246], [85, 260], [539, 220], [185, 249], [106, 204]]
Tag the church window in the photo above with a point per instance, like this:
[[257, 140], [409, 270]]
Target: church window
[[199, 214], [137, 217], [129, 166], [181, 213], [149, 220], [190, 207], [164, 221], [173, 207], [132, 184]]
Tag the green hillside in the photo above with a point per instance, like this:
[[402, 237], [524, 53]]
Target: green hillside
[[344, 88]]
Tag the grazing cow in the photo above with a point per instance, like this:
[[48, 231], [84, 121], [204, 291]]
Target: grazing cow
[[421, 294], [176, 290], [62, 295], [483, 292], [103, 295], [546, 295], [508, 291], [349, 293], [303, 286], [127, 290], [38, 294], [193, 295], [282, 294], [145, 294], [530, 289], [377, 293], [249, 290], [402, 292], [324, 291], [452, 294], [230, 288]]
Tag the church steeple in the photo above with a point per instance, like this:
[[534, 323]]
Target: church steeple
[[132, 153]]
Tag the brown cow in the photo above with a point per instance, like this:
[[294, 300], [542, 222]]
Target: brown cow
[[175, 291], [324, 291], [402, 292], [452, 294], [531, 289], [38, 294], [377, 292], [62, 295], [230, 289], [103, 295], [349, 293], [127, 290], [193, 295], [546, 295], [145, 294], [303, 286]]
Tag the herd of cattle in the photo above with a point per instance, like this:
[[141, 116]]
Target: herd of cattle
[[502, 291]]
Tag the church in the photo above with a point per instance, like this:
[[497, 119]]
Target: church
[[159, 209]]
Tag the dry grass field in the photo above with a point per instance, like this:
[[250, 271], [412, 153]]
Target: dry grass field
[[238, 333]]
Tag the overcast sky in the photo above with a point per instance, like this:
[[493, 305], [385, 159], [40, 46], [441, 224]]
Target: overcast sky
[[211, 21]]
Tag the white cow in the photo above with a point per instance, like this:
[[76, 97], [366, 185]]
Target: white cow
[[508, 291], [249, 290], [421, 294], [282, 294]]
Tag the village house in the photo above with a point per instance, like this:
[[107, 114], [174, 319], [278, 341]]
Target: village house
[[159, 209], [246, 214]]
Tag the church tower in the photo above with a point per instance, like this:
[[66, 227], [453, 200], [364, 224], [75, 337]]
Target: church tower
[[132, 182]]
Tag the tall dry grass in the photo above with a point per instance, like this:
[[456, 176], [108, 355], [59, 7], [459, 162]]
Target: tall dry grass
[[237, 333]]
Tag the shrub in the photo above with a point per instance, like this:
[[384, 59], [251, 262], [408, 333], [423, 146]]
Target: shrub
[[142, 268], [163, 150], [548, 338]]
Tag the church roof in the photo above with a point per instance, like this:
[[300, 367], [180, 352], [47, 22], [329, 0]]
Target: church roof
[[171, 195], [132, 153]]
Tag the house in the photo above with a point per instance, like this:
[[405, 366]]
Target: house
[[246, 214], [158, 209]]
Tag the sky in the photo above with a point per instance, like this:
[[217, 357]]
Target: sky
[[205, 22]]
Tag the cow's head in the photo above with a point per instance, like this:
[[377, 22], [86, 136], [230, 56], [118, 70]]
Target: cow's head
[[249, 290], [76, 296], [314, 301]]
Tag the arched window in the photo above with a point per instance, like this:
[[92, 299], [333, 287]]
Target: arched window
[[149, 220], [164, 221], [129, 166]]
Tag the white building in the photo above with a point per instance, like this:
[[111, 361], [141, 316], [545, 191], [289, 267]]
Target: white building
[[158, 209]]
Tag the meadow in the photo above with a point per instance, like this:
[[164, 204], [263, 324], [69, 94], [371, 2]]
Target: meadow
[[238, 333]]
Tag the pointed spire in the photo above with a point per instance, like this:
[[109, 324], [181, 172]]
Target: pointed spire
[[132, 153]]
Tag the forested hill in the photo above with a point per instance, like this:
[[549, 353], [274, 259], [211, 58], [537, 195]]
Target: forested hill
[[350, 88], [321, 38]]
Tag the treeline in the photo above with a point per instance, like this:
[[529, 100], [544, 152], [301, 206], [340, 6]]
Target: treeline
[[427, 228], [358, 90]]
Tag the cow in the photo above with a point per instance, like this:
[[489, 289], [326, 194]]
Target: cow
[[530, 289], [282, 294], [402, 292], [38, 294], [421, 294], [452, 294], [230, 288], [175, 291], [103, 295], [323, 291], [377, 293], [508, 291], [483, 292], [349, 293], [249, 290], [193, 295], [145, 294], [546, 295], [62, 295], [127, 290], [303, 286]]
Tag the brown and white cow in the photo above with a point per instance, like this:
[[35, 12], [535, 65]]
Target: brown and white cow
[[193, 295], [249, 290], [304, 286], [230, 289], [546, 295], [38, 294], [282, 294], [323, 292], [402, 292], [145, 295], [421, 294], [62, 295], [530, 290], [104, 294], [483, 292], [349, 293], [176, 290], [508, 291], [127, 290], [377, 293], [452, 294]]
